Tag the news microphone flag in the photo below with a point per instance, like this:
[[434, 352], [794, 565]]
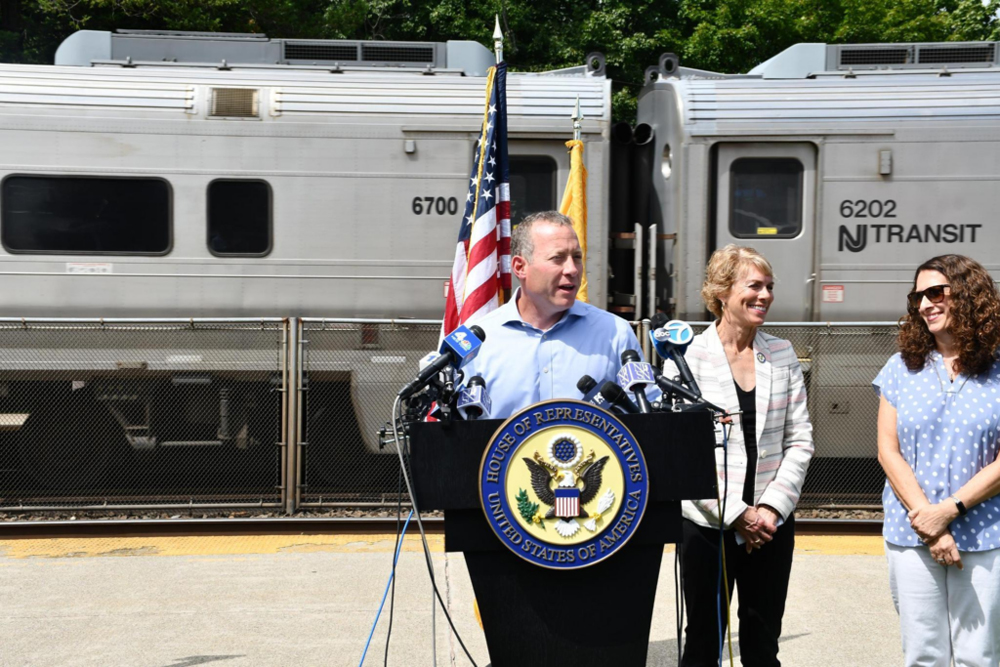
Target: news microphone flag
[[481, 271], [635, 373]]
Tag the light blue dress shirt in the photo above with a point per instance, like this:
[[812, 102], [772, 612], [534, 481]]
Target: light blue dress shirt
[[947, 432], [523, 365]]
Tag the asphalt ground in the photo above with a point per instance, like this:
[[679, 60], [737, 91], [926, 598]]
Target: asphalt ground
[[310, 600]]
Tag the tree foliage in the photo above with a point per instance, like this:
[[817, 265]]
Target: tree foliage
[[721, 35]]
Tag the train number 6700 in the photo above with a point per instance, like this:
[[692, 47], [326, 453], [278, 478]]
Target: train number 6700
[[439, 205]]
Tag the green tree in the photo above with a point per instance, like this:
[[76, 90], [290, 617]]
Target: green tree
[[720, 35], [736, 35]]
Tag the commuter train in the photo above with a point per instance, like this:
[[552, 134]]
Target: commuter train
[[164, 174]]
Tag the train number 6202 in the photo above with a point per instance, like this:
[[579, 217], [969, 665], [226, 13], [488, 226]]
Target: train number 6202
[[439, 205], [868, 208]]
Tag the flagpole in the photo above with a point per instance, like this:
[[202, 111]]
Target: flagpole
[[577, 120], [498, 40]]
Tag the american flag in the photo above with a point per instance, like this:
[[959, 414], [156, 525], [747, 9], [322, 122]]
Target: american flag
[[481, 271], [567, 503]]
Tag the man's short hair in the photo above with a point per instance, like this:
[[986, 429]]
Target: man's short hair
[[520, 239]]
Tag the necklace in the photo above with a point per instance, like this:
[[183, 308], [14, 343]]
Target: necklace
[[949, 388]]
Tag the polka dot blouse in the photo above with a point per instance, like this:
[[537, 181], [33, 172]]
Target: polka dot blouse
[[947, 432]]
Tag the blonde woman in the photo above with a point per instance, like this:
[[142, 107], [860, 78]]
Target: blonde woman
[[745, 371]]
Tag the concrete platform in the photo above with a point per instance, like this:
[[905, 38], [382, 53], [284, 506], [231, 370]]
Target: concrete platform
[[311, 600]]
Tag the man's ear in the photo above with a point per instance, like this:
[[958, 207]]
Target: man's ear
[[518, 266]]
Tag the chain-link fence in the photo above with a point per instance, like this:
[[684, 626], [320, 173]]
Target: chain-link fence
[[158, 414], [352, 370], [150, 414]]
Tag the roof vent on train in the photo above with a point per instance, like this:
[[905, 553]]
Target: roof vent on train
[[148, 48], [893, 56], [804, 60], [234, 103]]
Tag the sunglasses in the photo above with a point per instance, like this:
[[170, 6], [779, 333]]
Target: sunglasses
[[934, 294]]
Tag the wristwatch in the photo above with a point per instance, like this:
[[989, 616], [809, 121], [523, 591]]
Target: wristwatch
[[960, 505]]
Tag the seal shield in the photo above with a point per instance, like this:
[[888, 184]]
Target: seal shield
[[563, 484]]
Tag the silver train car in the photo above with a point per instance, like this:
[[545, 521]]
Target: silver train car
[[846, 165], [161, 175], [241, 176]]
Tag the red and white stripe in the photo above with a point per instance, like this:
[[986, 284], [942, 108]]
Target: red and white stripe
[[567, 507], [482, 270]]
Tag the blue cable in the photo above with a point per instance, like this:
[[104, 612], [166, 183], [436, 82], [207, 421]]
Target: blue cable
[[386, 593]]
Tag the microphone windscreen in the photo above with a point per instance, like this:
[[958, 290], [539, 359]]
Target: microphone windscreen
[[585, 384], [613, 392], [658, 320], [630, 355]]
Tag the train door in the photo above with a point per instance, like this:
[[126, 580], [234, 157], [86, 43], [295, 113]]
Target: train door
[[765, 198]]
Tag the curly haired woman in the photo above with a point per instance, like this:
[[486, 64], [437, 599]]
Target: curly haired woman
[[938, 431]]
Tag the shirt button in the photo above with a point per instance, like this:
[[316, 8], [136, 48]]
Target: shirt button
[[545, 370]]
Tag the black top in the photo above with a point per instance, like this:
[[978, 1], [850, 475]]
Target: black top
[[748, 406]]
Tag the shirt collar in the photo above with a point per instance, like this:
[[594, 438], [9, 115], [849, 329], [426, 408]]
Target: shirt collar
[[512, 316]]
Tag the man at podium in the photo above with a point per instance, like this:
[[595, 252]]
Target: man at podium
[[544, 340]]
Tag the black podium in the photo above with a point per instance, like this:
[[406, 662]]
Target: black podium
[[594, 616]]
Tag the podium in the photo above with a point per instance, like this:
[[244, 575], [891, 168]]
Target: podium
[[594, 616]]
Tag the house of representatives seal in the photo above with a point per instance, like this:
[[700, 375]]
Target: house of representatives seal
[[563, 484]]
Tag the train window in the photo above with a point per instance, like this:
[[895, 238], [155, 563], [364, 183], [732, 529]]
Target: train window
[[765, 198], [532, 185], [239, 217], [85, 215]]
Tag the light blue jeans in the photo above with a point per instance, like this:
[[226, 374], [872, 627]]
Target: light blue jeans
[[945, 613]]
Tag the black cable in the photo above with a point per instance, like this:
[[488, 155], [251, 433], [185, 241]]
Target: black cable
[[423, 534], [678, 595], [395, 548]]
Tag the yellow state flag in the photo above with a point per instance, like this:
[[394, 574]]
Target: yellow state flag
[[574, 204]]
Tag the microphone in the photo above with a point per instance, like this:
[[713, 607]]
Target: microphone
[[427, 360], [457, 348], [586, 386], [617, 398], [634, 376], [473, 401], [669, 387], [670, 341]]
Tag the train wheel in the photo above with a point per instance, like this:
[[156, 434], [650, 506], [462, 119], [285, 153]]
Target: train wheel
[[66, 445]]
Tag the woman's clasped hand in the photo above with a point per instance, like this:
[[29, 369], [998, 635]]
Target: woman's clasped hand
[[757, 525]]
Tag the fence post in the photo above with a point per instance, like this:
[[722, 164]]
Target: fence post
[[647, 347], [293, 375]]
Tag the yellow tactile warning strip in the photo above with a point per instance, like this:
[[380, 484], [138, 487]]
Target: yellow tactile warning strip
[[271, 544], [840, 545], [210, 545]]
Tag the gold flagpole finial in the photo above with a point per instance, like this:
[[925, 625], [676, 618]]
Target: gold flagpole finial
[[498, 40], [577, 120]]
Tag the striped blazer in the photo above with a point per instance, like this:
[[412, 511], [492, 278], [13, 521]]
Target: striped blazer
[[784, 433]]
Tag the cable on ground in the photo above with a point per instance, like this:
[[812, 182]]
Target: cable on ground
[[392, 578]]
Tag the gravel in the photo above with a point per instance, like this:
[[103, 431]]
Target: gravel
[[335, 512]]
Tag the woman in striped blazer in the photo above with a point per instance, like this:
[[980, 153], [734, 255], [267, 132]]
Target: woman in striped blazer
[[761, 472]]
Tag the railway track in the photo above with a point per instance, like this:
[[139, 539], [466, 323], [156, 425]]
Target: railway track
[[308, 526]]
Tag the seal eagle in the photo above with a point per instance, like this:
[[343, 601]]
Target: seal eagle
[[543, 474]]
